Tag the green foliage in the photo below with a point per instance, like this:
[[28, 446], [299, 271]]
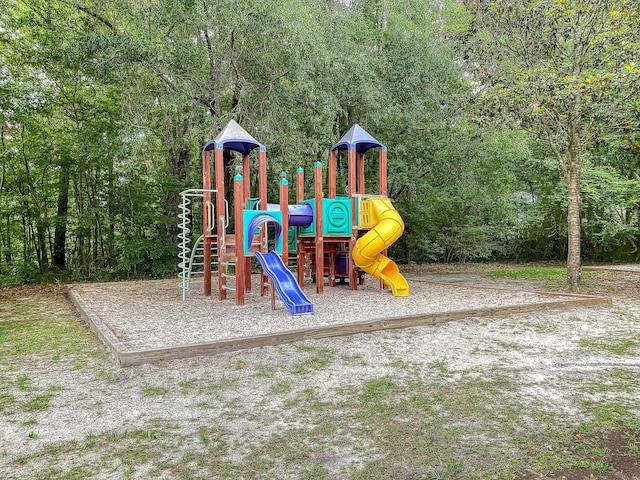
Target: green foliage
[[563, 70], [551, 55], [610, 221], [463, 208], [104, 107], [611, 224]]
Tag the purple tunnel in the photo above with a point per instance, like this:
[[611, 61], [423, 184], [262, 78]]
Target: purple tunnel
[[299, 215]]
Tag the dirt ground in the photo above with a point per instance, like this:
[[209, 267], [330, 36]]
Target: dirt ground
[[553, 360], [138, 318], [623, 284]]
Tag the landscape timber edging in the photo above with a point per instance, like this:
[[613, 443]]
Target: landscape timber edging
[[127, 358]]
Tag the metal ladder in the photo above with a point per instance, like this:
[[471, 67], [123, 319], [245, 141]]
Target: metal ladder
[[191, 258], [223, 250], [196, 260]]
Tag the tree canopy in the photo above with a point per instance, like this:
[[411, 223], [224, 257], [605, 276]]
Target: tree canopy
[[564, 70], [489, 111]]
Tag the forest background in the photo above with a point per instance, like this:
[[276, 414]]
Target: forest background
[[105, 107]]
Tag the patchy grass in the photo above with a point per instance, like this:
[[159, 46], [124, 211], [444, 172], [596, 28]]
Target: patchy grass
[[280, 388], [272, 416], [36, 327], [23, 383], [550, 276], [155, 391], [188, 386], [38, 402], [625, 343], [265, 371], [533, 273], [606, 447], [417, 436], [611, 381], [37, 331], [6, 400], [317, 359]]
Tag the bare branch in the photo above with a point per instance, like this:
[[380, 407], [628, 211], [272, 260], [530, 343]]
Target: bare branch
[[94, 15]]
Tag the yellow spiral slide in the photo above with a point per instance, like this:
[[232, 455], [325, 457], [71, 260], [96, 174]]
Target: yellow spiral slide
[[388, 227]]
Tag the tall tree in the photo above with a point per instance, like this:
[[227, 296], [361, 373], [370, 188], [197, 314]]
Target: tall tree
[[565, 69], [66, 124]]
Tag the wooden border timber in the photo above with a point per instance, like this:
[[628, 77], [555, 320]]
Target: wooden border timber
[[95, 324], [540, 293], [613, 268], [127, 358]]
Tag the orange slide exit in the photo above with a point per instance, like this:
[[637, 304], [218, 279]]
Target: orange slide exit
[[366, 253]]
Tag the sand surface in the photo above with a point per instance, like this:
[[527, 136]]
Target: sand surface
[[151, 314]]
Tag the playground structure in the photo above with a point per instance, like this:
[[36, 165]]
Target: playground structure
[[327, 236]]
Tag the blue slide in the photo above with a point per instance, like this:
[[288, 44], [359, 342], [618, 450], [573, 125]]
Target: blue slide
[[285, 283]]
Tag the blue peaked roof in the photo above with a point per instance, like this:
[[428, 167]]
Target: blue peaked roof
[[234, 137], [359, 139]]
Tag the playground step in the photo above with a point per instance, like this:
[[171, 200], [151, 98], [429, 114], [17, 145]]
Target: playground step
[[197, 260], [230, 241]]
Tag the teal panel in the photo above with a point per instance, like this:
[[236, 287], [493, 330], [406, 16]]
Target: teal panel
[[292, 244], [253, 219], [251, 203], [336, 216]]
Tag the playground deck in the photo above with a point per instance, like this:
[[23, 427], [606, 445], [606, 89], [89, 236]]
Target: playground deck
[[147, 321]]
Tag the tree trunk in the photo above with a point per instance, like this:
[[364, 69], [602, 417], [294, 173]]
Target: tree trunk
[[573, 223], [60, 235], [6, 242], [41, 245], [573, 212]]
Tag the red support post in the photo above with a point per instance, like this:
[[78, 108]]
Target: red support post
[[351, 178], [284, 208], [206, 227], [331, 180], [383, 171], [354, 232], [262, 192], [299, 198], [246, 175], [300, 186], [360, 163], [262, 179], [319, 237], [238, 201], [383, 190], [220, 224]]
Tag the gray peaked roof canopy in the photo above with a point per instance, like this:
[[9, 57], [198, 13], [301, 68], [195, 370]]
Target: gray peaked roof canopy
[[234, 137], [359, 139]]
